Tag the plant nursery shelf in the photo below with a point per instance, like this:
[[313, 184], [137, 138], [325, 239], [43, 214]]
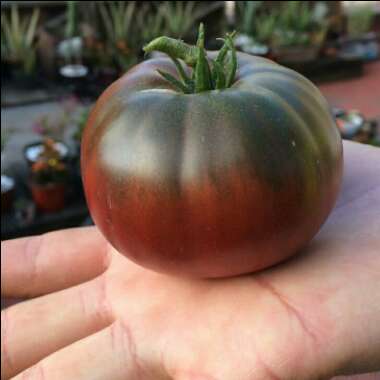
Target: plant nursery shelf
[[328, 69], [13, 96], [71, 216]]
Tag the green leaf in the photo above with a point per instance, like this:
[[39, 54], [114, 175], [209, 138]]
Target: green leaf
[[181, 71], [128, 14], [202, 69], [106, 20], [174, 82], [218, 76], [224, 49], [232, 67], [31, 31], [15, 24]]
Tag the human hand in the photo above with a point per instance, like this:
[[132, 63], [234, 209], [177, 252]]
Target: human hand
[[100, 316]]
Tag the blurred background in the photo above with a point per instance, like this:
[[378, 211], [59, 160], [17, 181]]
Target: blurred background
[[58, 56]]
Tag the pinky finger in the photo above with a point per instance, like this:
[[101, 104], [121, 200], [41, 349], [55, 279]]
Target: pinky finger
[[109, 354]]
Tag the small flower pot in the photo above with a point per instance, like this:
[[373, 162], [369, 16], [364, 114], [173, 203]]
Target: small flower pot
[[49, 197], [248, 45], [33, 151], [258, 50], [7, 193]]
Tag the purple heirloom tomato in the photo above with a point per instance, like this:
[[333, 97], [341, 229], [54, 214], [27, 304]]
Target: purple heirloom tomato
[[225, 165]]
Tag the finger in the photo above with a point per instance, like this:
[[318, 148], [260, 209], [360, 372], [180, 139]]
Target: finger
[[358, 178], [109, 354], [38, 265], [35, 328]]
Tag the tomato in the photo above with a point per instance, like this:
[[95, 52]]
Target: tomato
[[212, 183]]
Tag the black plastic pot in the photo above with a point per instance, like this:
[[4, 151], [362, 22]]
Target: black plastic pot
[[5, 71], [366, 47], [15, 75], [296, 54]]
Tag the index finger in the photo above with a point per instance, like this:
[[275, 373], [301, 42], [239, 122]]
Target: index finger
[[42, 264]]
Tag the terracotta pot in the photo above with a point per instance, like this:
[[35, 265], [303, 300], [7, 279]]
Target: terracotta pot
[[7, 193], [49, 197]]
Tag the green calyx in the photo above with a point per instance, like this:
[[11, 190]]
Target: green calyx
[[207, 74]]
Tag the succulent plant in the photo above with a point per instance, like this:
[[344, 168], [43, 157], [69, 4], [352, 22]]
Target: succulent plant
[[150, 23], [49, 167], [359, 19], [71, 19], [18, 38], [120, 38], [181, 17], [248, 11], [299, 24]]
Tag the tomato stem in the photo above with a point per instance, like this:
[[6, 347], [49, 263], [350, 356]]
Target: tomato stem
[[221, 75], [174, 48]]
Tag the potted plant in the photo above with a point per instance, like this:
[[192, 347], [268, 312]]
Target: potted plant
[[359, 40], [181, 17], [257, 28], [48, 179], [354, 126], [120, 41], [18, 44], [33, 151], [100, 60], [52, 128], [72, 70], [176, 19], [300, 31], [150, 23]]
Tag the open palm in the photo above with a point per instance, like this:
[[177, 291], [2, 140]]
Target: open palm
[[100, 316]]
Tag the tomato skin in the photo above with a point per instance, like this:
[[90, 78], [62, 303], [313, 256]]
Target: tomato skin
[[216, 183]]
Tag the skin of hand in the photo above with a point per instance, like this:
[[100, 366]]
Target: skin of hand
[[92, 314]]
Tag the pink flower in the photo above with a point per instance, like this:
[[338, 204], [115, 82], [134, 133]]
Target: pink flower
[[70, 104], [38, 127]]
